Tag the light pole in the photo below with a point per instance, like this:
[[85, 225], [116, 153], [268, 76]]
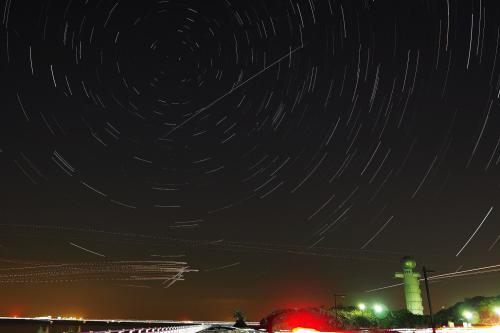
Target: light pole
[[362, 306], [425, 271], [335, 305], [468, 315]]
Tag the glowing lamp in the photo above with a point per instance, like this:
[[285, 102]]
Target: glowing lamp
[[467, 315], [362, 306], [378, 308], [497, 310]]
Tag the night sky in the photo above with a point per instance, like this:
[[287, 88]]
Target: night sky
[[181, 159]]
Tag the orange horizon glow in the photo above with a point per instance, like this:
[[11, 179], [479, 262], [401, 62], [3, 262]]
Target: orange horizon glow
[[308, 330], [303, 330]]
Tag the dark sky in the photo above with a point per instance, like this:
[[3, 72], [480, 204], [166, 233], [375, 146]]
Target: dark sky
[[180, 159]]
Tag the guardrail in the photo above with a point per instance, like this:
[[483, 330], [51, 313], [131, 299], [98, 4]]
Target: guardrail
[[169, 329]]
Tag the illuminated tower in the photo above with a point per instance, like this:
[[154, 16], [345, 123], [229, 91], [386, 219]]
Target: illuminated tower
[[412, 286]]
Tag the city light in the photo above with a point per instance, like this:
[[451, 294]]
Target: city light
[[497, 310], [362, 306], [378, 308], [467, 315]]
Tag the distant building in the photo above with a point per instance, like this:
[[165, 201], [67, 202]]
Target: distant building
[[411, 282]]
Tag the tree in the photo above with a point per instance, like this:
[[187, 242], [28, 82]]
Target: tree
[[239, 317]]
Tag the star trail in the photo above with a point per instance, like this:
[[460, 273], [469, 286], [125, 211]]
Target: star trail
[[250, 140]]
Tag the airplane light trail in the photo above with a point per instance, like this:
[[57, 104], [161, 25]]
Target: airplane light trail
[[96, 271], [87, 250], [217, 100], [473, 271]]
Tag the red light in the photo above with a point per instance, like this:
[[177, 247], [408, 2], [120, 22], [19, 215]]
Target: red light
[[306, 321], [303, 330]]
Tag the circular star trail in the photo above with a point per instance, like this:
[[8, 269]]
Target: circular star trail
[[296, 127]]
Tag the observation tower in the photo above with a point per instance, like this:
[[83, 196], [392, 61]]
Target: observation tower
[[411, 282]]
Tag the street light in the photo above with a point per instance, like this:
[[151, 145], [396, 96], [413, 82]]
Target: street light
[[467, 315], [497, 310], [362, 306], [378, 308]]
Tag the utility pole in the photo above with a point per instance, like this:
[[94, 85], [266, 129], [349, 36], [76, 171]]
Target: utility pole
[[425, 271], [335, 305]]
